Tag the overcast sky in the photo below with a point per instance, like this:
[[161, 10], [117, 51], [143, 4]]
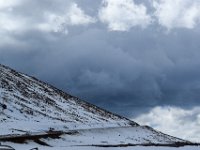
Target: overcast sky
[[128, 56]]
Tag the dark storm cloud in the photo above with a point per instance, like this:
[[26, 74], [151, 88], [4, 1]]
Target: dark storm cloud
[[126, 72]]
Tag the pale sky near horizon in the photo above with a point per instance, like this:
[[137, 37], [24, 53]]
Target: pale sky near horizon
[[138, 58]]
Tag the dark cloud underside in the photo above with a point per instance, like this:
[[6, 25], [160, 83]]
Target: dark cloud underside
[[124, 71]]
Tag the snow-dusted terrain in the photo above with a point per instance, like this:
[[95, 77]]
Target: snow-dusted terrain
[[34, 145], [37, 113], [36, 106]]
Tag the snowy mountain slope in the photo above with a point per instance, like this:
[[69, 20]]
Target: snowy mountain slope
[[34, 145], [34, 106], [107, 138], [116, 136], [30, 108]]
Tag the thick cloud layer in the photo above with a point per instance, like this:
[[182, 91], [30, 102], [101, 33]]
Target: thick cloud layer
[[127, 56], [123, 15], [183, 123], [178, 13]]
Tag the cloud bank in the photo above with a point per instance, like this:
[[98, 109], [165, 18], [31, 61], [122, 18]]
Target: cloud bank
[[183, 123], [118, 15], [116, 55], [6, 4], [73, 16], [177, 13], [121, 15]]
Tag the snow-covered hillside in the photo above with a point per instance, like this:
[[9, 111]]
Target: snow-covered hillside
[[34, 110], [33, 105]]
